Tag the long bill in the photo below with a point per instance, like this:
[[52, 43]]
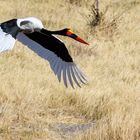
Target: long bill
[[77, 38]]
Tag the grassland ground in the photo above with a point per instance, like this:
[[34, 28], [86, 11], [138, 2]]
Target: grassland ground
[[32, 99]]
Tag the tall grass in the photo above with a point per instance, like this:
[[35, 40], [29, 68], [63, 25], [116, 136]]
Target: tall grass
[[31, 98]]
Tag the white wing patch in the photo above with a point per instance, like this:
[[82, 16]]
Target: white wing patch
[[67, 70], [6, 41]]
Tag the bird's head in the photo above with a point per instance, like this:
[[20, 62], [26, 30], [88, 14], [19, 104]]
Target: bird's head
[[68, 32]]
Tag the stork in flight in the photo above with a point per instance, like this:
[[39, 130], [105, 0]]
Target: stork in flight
[[30, 32]]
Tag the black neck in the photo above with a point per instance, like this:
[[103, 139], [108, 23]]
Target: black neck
[[47, 32]]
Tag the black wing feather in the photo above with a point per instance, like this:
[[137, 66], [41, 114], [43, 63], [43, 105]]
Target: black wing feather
[[52, 49], [51, 43], [10, 27]]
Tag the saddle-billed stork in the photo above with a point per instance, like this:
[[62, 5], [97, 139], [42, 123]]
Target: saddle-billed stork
[[30, 31]]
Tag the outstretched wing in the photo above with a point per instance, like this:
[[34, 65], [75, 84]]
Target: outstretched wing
[[54, 50], [8, 32]]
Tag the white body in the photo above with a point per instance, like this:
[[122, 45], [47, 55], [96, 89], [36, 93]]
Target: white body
[[6, 41]]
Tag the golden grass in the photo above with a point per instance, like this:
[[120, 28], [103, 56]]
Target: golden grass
[[31, 97]]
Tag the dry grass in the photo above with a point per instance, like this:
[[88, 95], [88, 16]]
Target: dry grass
[[31, 98]]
